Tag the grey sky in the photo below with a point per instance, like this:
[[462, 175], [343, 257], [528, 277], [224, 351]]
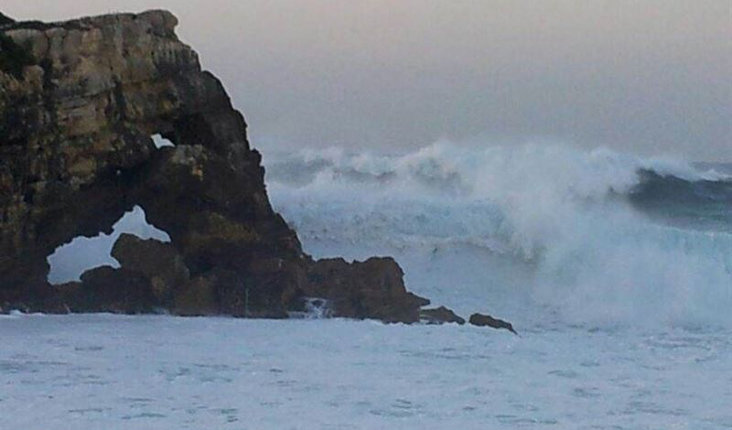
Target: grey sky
[[641, 76]]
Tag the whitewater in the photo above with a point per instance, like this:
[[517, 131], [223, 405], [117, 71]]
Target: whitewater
[[615, 269]]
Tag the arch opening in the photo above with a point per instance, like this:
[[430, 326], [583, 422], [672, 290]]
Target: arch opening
[[69, 261], [160, 141]]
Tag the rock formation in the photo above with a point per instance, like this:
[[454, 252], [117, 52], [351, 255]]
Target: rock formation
[[481, 320], [5, 19], [440, 315], [79, 101], [373, 288]]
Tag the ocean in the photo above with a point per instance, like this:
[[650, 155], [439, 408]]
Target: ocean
[[529, 232], [616, 270]]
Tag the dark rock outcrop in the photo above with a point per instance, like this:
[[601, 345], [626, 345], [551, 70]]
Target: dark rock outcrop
[[481, 320], [4, 19], [105, 289], [159, 262], [440, 315], [370, 289], [79, 101]]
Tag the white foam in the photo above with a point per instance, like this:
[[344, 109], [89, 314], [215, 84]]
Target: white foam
[[556, 208], [160, 372]]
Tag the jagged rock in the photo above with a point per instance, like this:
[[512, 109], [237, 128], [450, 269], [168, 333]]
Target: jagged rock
[[481, 320], [159, 262], [370, 289], [440, 315], [78, 104]]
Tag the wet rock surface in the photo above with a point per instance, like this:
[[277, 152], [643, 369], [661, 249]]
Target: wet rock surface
[[76, 115]]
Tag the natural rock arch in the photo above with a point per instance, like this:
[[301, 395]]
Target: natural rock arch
[[76, 154]]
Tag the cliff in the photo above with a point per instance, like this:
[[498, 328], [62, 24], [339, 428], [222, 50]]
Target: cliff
[[79, 101]]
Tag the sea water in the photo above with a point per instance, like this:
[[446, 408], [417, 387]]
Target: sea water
[[616, 271]]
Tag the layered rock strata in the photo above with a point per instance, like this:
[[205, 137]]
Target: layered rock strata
[[79, 101]]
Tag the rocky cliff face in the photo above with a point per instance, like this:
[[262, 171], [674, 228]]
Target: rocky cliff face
[[79, 101], [5, 19]]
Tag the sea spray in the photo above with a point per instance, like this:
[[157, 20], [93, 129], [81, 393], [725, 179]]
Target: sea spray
[[551, 223]]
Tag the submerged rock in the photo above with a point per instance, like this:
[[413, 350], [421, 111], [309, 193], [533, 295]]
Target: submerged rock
[[440, 315], [481, 320], [79, 101]]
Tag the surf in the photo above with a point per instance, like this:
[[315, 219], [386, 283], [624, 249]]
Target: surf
[[581, 235]]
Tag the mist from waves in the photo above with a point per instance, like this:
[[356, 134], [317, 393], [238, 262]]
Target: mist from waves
[[580, 236]]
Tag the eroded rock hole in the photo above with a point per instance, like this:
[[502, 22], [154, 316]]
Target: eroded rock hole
[[160, 141], [69, 261]]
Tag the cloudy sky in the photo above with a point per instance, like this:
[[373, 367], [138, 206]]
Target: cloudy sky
[[640, 76]]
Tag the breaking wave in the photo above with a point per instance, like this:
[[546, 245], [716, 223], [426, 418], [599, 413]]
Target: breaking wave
[[595, 235]]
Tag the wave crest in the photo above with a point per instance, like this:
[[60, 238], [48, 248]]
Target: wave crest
[[579, 219]]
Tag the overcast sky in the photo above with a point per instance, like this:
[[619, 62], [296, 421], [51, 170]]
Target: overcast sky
[[640, 76]]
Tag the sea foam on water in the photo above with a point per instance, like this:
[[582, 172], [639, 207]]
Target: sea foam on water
[[623, 314]]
